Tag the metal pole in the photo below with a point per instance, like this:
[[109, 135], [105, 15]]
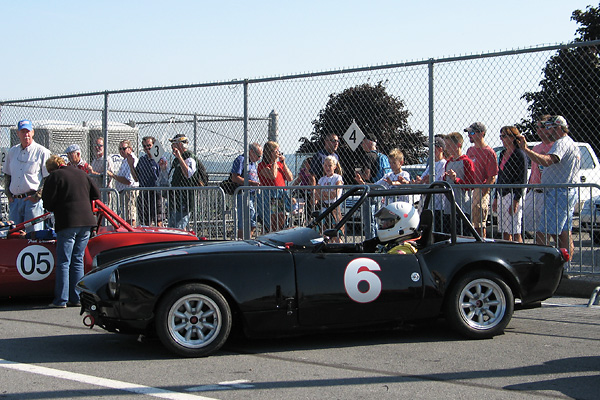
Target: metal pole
[[195, 133], [273, 126], [245, 202], [431, 122], [105, 137]]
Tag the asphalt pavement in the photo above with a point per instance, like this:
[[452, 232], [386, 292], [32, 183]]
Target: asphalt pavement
[[581, 286]]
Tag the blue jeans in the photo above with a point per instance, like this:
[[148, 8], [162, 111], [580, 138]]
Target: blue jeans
[[21, 210], [244, 214], [70, 249], [179, 219], [559, 207]]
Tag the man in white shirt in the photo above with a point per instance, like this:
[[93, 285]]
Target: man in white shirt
[[560, 165], [25, 171]]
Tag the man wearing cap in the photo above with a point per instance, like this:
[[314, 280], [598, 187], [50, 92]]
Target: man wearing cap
[[69, 193], [127, 178], [186, 171], [486, 169], [99, 164], [149, 202], [74, 156], [560, 165], [367, 163], [25, 172]]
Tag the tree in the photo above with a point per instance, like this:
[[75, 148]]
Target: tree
[[571, 84], [379, 115]]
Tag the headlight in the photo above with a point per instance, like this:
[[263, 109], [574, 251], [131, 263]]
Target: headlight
[[113, 284]]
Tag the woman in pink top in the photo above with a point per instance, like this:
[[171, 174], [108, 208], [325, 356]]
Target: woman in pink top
[[534, 200]]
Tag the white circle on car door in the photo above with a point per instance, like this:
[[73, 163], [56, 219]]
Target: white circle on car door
[[35, 262]]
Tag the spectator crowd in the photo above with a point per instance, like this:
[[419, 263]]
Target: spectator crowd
[[482, 181]]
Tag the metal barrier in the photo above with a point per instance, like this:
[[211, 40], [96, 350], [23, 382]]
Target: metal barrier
[[277, 208], [203, 210]]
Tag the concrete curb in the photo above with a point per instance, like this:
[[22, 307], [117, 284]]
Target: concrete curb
[[576, 287]]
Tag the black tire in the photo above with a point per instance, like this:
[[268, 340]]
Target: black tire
[[479, 305], [193, 320]]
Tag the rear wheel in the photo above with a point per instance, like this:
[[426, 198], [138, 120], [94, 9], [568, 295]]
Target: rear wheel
[[193, 320], [479, 305]]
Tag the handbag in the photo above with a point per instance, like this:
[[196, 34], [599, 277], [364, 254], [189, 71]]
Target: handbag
[[228, 186]]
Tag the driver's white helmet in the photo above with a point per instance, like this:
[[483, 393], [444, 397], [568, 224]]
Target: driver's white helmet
[[397, 220]]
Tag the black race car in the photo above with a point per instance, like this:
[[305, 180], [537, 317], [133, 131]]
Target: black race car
[[300, 280]]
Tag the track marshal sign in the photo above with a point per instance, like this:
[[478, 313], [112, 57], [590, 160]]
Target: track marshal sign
[[354, 136]]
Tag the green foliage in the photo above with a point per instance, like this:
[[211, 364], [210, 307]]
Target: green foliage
[[571, 85], [379, 115]]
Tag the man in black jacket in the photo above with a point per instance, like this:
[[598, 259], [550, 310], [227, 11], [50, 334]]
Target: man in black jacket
[[69, 193]]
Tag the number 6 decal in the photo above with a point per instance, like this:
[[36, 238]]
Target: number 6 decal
[[361, 270]]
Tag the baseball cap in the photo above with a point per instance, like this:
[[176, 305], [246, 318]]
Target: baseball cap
[[476, 127], [556, 120], [179, 138], [25, 124], [72, 148], [439, 142]]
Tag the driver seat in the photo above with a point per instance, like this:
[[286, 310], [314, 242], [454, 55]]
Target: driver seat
[[426, 229]]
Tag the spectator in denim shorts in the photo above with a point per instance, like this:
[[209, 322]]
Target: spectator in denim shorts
[[560, 165]]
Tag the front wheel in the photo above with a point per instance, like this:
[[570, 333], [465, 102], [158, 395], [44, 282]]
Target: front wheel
[[193, 320], [479, 305]]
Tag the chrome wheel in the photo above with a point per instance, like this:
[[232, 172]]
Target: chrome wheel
[[194, 321], [482, 304], [479, 304]]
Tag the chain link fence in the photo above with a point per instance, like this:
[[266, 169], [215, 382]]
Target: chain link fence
[[221, 119]]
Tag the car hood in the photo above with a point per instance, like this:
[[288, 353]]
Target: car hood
[[198, 248]]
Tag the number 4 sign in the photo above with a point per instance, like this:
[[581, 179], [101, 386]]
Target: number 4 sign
[[354, 136]]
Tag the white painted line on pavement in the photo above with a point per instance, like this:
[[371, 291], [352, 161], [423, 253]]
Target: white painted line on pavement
[[93, 380], [239, 384], [566, 305]]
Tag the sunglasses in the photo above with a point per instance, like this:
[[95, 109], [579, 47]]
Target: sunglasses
[[147, 146], [123, 148]]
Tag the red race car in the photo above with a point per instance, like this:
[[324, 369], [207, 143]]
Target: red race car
[[27, 264]]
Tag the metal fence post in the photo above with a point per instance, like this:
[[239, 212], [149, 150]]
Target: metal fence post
[[273, 126], [245, 193], [431, 158], [105, 141]]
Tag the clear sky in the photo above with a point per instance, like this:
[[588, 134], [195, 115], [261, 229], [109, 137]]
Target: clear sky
[[63, 47]]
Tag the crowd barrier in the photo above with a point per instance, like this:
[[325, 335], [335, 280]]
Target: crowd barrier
[[254, 211]]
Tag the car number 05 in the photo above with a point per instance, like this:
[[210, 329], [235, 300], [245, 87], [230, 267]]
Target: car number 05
[[361, 270], [35, 263]]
